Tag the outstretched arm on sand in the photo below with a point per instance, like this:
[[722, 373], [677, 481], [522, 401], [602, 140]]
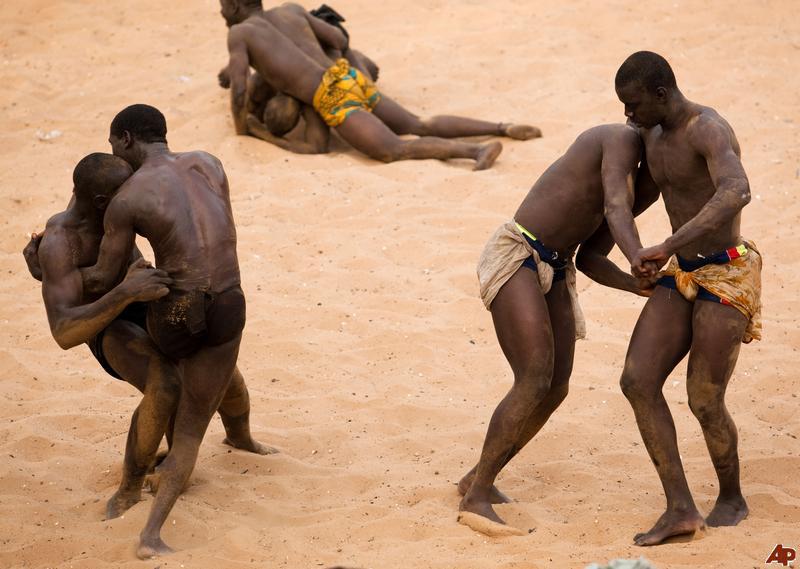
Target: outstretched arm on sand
[[238, 69]]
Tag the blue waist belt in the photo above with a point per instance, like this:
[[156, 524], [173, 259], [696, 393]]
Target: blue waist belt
[[550, 257], [688, 266]]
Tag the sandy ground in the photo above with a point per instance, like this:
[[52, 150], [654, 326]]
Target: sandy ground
[[371, 362]]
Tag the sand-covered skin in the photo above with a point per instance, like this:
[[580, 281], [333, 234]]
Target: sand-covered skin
[[371, 362]]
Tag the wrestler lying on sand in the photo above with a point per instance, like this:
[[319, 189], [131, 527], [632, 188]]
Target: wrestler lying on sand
[[585, 199], [273, 115], [709, 300], [285, 46], [113, 325]]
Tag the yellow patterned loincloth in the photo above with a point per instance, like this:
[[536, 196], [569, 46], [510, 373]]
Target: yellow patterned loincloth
[[736, 282], [344, 89]]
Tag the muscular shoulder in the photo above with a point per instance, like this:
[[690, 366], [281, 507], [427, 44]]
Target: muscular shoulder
[[132, 194], [603, 133], [238, 34], [55, 250], [57, 223], [617, 139], [210, 165], [293, 7], [200, 158], [709, 132]]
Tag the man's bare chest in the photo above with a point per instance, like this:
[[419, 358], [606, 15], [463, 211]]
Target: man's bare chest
[[673, 163], [84, 249]]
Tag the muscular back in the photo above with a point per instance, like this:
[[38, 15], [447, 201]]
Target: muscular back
[[566, 204], [681, 171], [181, 205], [293, 66], [292, 21]]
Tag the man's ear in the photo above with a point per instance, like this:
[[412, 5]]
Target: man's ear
[[100, 201], [661, 93], [127, 138]]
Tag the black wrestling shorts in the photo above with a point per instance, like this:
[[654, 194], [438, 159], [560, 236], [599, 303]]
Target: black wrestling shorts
[[185, 321]]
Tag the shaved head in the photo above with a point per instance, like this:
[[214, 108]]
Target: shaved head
[[647, 69], [99, 174], [145, 123], [281, 114]]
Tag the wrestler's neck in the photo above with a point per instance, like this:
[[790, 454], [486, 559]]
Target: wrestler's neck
[[87, 215], [146, 152], [679, 111], [249, 12]]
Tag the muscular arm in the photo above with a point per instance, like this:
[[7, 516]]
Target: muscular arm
[[31, 254], [71, 321], [327, 35], [115, 249], [620, 157], [592, 258], [316, 139], [238, 69], [713, 141]]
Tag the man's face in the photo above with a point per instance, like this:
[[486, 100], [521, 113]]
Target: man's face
[[102, 199], [120, 148], [643, 108], [230, 11]]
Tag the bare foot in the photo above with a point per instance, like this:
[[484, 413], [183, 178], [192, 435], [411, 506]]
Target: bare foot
[[521, 131], [728, 512], [670, 524], [250, 445], [495, 495], [486, 526], [149, 548], [151, 482], [488, 155], [482, 508], [121, 502]]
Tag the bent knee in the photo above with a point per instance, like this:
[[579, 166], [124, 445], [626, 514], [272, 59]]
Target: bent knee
[[632, 386], [707, 407], [422, 127], [168, 380], [533, 383]]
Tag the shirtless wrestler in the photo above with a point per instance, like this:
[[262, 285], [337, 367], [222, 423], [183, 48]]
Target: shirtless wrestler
[[708, 301], [180, 203], [586, 199], [285, 46], [113, 325]]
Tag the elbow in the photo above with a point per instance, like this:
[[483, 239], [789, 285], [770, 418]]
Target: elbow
[[64, 340], [745, 196], [583, 262], [66, 345], [341, 42], [616, 211], [95, 284]]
